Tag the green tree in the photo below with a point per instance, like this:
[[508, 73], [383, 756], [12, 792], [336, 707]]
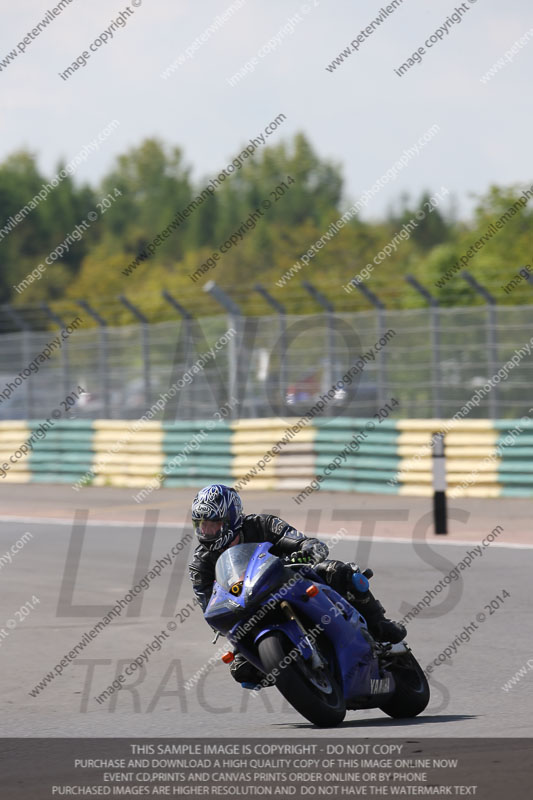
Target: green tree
[[154, 185]]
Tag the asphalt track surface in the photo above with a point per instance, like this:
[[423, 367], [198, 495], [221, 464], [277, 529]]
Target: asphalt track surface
[[407, 558]]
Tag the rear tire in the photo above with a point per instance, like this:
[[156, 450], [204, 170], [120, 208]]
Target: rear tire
[[412, 689], [315, 694]]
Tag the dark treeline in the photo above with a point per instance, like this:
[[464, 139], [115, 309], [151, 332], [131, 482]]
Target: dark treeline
[[151, 186]]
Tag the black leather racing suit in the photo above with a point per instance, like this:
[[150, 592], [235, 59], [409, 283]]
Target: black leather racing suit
[[261, 528]]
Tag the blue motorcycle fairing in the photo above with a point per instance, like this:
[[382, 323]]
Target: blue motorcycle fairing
[[358, 670], [290, 629], [264, 577], [347, 644], [341, 625], [221, 610], [362, 679], [287, 627], [260, 573]]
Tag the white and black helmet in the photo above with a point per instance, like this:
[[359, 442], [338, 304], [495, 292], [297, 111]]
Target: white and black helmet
[[217, 503]]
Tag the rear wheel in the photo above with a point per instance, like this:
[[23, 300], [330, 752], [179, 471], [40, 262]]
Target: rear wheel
[[313, 692], [412, 689]]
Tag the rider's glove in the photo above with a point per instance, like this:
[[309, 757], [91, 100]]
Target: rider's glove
[[318, 551], [300, 558]]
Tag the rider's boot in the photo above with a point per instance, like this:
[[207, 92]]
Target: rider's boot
[[381, 628], [245, 673]]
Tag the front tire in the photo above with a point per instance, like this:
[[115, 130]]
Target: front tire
[[315, 694], [412, 689]]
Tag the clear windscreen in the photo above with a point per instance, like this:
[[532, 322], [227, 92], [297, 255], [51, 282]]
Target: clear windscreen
[[231, 565]]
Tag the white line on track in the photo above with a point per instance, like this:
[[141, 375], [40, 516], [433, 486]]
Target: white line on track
[[349, 537], [398, 540], [108, 523]]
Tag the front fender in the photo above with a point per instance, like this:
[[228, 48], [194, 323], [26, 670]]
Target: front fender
[[293, 633]]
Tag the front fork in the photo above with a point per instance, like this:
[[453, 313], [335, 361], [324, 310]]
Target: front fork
[[317, 662]]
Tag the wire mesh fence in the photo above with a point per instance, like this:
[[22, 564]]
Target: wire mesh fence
[[431, 360]]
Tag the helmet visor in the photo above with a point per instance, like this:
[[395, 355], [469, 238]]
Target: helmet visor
[[209, 528], [210, 532]]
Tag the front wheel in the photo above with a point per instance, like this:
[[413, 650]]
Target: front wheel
[[313, 692], [412, 689]]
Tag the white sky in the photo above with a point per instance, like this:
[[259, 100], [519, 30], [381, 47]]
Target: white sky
[[362, 115]]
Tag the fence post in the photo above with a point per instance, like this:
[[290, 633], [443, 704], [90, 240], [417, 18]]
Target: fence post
[[65, 360], [187, 324], [380, 319], [280, 309], [103, 360], [234, 320], [435, 342], [26, 329], [329, 309], [492, 349], [145, 332]]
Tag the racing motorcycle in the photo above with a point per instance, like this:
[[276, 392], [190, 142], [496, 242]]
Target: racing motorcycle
[[309, 642]]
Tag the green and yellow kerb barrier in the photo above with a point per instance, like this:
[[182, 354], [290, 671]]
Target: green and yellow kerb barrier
[[484, 458]]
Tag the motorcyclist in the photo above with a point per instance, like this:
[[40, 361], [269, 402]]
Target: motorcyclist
[[219, 523]]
